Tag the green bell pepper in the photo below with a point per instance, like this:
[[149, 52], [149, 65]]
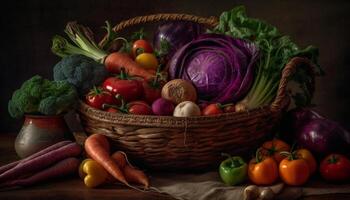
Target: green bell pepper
[[233, 170]]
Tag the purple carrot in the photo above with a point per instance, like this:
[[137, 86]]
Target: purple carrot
[[41, 162], [39, 153], [62, 168]]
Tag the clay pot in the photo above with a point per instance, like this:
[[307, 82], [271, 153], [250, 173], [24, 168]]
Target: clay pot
[[39, 132]]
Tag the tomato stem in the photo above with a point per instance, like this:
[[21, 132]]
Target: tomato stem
[[333, 159], [139, 51], [139, 35], [123, 75], [258, 157], [155, 82], [123, 108]]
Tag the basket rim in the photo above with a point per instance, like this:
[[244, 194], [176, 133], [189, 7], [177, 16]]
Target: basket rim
[[174, 122]]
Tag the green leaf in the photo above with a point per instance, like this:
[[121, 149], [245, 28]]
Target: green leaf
[[276, 51]]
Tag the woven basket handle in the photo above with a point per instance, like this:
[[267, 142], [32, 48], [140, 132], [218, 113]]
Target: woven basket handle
[[287, 72], [207, 21]]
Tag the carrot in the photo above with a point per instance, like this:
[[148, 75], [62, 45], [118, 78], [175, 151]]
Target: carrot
[[42, 161], [136, 176], [116, 60], [119, 158], [131, 174], [152, 71], [62, 168], [96, 146], [41, 152]]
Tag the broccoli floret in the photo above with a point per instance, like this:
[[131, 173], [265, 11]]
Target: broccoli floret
[[61, 97], [80, 71], [38, 95]]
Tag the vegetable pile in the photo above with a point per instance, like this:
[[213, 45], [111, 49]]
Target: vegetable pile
[[236, 66], [95, 171], [186, 71]]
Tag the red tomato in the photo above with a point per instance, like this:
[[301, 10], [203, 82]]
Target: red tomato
[[212, 109], [139, 108], [112, 110], [151, 90], [129, 89], [141, 46], [99, 96], [335, 167]]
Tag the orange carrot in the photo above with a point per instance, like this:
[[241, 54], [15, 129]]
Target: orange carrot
[[136, 176], [97, 147], [152, 71], [120, 158], [115, 61], [131, 174]]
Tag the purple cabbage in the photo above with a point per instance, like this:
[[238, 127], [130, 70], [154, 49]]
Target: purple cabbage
[[219, 66], [176, 34]]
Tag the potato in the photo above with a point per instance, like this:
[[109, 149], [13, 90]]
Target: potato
[[178, 91]]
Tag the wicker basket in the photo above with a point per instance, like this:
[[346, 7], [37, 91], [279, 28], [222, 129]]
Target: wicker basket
[[187, 143]]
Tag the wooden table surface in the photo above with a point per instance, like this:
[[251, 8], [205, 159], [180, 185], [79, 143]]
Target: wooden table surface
[[73, 187]]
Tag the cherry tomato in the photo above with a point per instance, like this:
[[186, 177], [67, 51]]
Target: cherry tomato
[[263, 170], [112, 110], [141, 46], [212, 109], [99, 96], [335, 167], [147, 60], [294, 171], [129, 89], [139, 108], [309, 158], [273, 148]]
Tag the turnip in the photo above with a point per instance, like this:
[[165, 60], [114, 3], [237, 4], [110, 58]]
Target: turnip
[[163, 107]]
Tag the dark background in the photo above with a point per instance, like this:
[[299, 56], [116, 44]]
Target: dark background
[[28, 26]]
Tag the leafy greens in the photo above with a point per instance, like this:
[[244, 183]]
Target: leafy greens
[[276, 50]]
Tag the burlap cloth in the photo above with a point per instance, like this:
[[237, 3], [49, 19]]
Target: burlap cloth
[[208, 186]]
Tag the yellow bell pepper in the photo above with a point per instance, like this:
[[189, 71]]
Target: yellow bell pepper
[[92, 173]]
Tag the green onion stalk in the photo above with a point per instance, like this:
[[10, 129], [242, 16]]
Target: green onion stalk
[[83, 42]]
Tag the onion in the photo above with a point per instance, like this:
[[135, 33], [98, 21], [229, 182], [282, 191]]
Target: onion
[[323, 136]]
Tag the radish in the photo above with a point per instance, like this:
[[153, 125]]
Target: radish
[[42, 161], [39, 153], [62, 168]]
